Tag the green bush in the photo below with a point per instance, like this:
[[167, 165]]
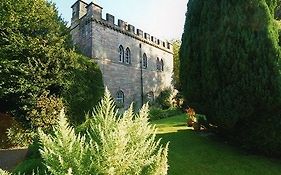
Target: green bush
[[107, 144], [164, 99], [33, 161], [33, 150], [84, 89], [45, 112], [30, 166], [157, 113], [19, 136], [6, 121], [43, 115]]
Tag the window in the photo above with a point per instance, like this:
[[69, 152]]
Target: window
[[144, 61], [150, 96], [121, 54], [120, 98], [162, 65], [157, 64], [128, 56]]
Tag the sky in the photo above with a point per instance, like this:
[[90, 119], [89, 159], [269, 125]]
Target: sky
[[163, 19]]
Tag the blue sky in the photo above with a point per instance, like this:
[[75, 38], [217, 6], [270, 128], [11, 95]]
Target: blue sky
[[161, 18]]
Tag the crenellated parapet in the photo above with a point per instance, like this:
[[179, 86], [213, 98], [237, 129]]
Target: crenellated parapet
[[83, 13]]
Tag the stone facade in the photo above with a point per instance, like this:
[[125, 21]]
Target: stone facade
[[136, 66]]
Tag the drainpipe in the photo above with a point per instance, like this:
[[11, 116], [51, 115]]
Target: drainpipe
[[141, 74]]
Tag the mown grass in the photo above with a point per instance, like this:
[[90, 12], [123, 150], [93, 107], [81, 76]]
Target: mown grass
[[202, 153]]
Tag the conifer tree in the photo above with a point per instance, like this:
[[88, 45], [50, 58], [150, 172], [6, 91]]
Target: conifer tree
[[107, 144], [230, 67]]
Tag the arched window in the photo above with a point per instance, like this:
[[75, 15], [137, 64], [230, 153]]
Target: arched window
[[158, 64], [128, 56], [144, 61], [121, 54], [120, 98], [162, 65]]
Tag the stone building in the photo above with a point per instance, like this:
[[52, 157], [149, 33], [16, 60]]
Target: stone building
[[136, 66]]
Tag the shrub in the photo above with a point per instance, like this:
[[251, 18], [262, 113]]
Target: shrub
[[19, 136], [84, 89], [45, 112], [165, 99], [107, 144], [6, 121], [33, 161], [30, 166], [197, 121], [157, 113]]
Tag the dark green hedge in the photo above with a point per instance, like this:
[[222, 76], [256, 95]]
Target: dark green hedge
[[157, 113]]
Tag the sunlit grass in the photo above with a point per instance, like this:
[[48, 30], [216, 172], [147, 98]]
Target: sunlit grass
[[201, 153]]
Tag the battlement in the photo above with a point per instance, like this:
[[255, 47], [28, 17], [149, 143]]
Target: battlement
[[82, 11]]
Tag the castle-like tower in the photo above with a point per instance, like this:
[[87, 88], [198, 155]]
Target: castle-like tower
[[136, 66]]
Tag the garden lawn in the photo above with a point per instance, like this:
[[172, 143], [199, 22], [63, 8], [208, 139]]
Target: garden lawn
[[202, 153]]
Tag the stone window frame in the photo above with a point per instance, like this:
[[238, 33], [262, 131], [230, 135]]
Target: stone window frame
[[121, 54], [157, 64], [120, 98], [162, 65], [128, 56], [144, 61]]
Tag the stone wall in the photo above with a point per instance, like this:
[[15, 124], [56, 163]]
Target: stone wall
[[100, 39]]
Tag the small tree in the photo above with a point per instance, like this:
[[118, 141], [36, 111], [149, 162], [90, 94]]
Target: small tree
[[107, 144]]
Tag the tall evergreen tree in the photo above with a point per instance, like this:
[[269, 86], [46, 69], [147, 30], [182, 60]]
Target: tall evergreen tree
[[230, 67]]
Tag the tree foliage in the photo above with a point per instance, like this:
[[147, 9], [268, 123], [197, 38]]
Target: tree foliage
[[36, 55], [176, 48], [230, 67]]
